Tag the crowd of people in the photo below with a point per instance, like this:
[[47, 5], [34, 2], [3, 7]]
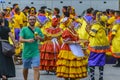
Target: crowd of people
[[68, 45]]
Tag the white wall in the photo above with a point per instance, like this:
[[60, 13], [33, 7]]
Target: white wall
[[79, 5]]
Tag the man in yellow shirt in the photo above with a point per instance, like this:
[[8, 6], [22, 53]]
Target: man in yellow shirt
[[18, 23], [25, 15]]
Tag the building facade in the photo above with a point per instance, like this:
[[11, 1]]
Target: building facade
[[79, 5]]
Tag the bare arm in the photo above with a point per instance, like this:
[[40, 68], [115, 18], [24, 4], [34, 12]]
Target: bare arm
[[15, 42], [26, 40]]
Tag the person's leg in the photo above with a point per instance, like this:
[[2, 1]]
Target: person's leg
[[35, 65], [92, 72], [26, 66], [25, 73], [36, 73], [118, 63], [15, 59], [101, 69]]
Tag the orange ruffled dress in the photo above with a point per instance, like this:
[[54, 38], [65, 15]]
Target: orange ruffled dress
[[69, 65], [50, 49]]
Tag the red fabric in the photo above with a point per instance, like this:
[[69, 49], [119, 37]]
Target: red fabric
[[118, 18], [48, 47], [109, 35], [55, 22], [49, 54], [53, 30], [67, 34]]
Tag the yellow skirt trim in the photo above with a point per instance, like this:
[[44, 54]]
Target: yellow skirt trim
[[71, 66], [65, 54]]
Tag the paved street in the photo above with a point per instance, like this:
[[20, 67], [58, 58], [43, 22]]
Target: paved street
[[110, 73]]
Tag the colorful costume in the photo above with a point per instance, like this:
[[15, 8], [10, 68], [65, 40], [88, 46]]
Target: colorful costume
[[65, 22], [43, 20], [116, 39], [69, 64], [83, 34], [98, 45], [82, 30], [17, 22], [17, 25], [50, 49]]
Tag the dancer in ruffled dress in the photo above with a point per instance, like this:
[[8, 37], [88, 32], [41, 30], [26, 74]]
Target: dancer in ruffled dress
[[51, 47], [71, 64]]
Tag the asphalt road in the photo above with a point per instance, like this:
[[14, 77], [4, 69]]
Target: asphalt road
[[110, 73]]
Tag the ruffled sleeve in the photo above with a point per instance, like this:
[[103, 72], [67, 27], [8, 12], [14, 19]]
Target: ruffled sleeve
[[53, 32], [66, 35]]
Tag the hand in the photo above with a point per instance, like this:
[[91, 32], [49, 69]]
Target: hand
[[16, 44], [30, 40], [37, 37]]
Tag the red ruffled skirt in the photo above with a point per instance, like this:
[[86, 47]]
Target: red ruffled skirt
[[48, 56]]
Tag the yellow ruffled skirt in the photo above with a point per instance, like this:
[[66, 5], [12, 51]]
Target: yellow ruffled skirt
[[71, 66]]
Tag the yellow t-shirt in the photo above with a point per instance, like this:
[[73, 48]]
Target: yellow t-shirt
[[18, 20], [24, 18]]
